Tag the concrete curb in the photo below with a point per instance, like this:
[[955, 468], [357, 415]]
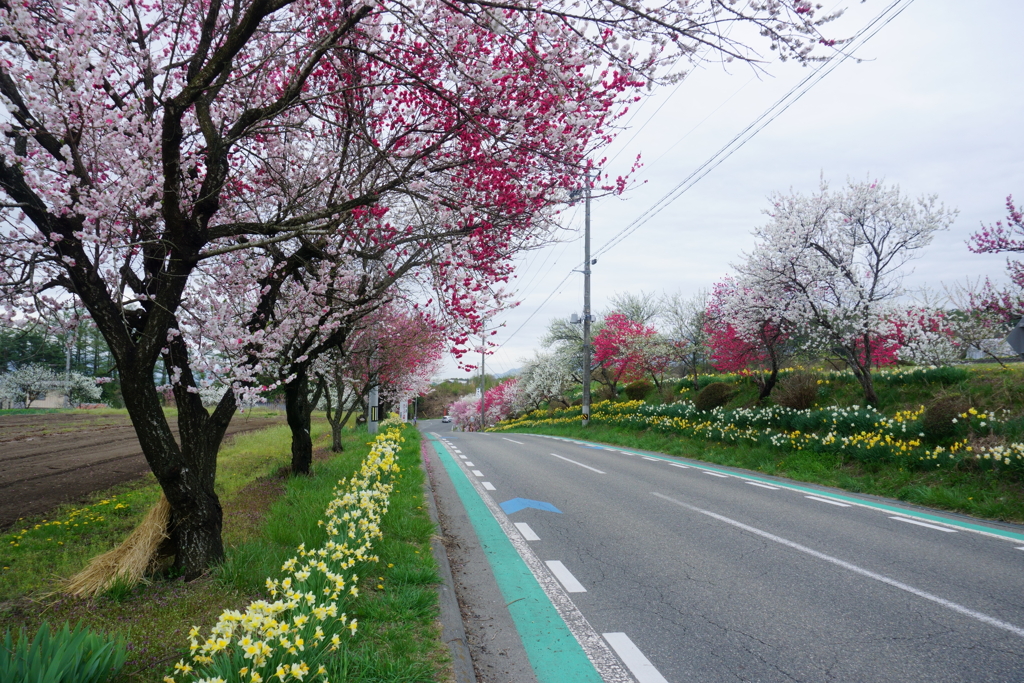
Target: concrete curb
[[453, 631]]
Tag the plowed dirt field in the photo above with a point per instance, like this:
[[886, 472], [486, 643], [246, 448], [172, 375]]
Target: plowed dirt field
[[53, 458]]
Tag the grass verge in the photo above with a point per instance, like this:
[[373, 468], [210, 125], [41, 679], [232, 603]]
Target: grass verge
[[266, 515], [981, 494]]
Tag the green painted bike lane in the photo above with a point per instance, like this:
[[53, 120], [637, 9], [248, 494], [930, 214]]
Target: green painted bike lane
[[554, 653]]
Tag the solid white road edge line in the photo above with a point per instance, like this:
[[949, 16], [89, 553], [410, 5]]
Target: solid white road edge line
[[634, 659], [764, 486], [565, 577], [948, 604], [518, 442], [826, 500], [596, 649], [592, 469], [528, 533], [488, 485], [924, 524]]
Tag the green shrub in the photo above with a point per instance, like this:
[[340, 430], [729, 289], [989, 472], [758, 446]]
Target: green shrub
[[798, 391], [638, 390], [938, 418], [714, 395], [68, 655]]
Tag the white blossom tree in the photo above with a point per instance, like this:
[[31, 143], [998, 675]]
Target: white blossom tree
[[833, 261], [28, 384], [686, 322], [547, 377]]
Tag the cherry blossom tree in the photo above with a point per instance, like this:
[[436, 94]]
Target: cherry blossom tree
[[832, 261], [547, 377], [632, 350], [1006, 303], [142, 141], [28, 384], [500, 401], [465, 413], [688, 328], [921, 335], [749, 331], [394, 348]]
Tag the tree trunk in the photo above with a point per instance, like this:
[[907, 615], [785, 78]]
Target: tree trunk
[[186, 473], [298, 410], [333, 416], [769, 382]]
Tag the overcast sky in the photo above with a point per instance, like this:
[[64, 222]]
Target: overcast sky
[[936, 106]]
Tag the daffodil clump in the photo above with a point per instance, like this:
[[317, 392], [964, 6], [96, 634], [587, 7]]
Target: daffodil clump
[[294, 636], [860, 432]]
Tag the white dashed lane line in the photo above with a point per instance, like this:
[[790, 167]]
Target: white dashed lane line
[[528, 533], [592, 469], [715, 474], [565, 577], [682, 467], [924, 524], [469, 464], [651, 459], [826, 500], [763, 486], [518, 442], [634, 660], [478, 473], [488, 485]]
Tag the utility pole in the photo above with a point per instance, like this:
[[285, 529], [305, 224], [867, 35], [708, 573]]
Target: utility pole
[[483, 373], [586, 309]]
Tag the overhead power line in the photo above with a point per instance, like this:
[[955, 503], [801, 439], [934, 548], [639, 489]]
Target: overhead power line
[[758, 124], [892, 11]]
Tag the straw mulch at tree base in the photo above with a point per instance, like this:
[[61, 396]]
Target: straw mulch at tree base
[[129, 560]]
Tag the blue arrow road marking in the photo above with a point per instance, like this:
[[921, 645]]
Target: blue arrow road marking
[[517, 504]]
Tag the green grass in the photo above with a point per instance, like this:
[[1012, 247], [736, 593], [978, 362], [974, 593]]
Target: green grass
[[266, 516], [982, 494], [31, 411]]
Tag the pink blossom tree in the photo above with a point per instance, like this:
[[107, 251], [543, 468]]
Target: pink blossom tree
[[395, 348], [1006, 303], [500, 401], [144, 140]]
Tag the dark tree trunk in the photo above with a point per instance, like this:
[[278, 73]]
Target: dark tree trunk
[[185, 472], [768, 383], [333, 416], [862, 370], [298, 409]]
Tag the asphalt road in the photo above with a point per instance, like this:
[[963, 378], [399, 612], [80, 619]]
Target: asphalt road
[[702, 573]]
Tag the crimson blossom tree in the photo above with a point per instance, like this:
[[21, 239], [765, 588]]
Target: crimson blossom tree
[[631, 350], [145, 140]]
